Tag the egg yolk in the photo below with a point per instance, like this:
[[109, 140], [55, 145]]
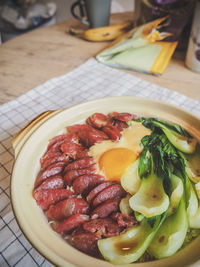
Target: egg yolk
[[114, 162]]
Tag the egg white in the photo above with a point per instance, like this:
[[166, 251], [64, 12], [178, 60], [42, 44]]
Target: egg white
[[130, 139]]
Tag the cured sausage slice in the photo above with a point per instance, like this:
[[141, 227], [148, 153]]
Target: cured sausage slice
[[83, 184], [52, 170], [52, 182], [71, 175], [110, 192], [53, 149], [82, 154], [67, 207], [85, 242], [71, 223], [88, 135], [93, 193], [71, 149], [102, 227], [124, 220], [98, 120], [106, 208], [49, 155], [80, 164], [112, 132], [54, 159], [64, 138], [121, 125], [123, 116], [45, 198]]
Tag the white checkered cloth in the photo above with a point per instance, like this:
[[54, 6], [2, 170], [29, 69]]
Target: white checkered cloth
[[89, 81]]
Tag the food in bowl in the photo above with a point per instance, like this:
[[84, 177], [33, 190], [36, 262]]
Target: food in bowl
[[122, 187]]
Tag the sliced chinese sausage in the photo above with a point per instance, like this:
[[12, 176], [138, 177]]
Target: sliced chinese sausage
[[88, 135], [66, 162], [112, 132], [110, 192], [48, 155], [80, 164], [124, 220], [54, 169], [71, 149], [54, 148], [52, 182], [106, 208], [67, 207], [71, 223], [62, 138], [73, 174], [47, 197], [85, 242], [82, 154], [93, 193], [103, 227], [98, 120], [123, 116], [54, 159], [83, 184], [121, 125], [74, 129]]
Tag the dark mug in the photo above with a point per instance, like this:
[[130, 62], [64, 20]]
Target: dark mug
[[96, 11]]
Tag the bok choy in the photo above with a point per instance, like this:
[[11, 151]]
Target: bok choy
[[178, 136], [162, 196]]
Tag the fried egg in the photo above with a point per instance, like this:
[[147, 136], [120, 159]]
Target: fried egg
[[113, 157]]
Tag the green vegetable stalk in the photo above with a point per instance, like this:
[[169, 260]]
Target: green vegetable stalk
[[151, 199], [178, 136], [162, 195], [129, 247], [171, 235]]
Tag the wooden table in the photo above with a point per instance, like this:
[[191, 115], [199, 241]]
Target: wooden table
[[37, 56]]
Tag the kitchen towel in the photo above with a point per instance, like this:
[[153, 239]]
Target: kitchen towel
[[144, 48], [89, 81]]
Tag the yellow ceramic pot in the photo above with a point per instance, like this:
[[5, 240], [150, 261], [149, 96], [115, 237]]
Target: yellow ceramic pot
[[31, 143]]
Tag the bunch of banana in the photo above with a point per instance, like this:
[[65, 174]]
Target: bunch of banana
[[101, 34]]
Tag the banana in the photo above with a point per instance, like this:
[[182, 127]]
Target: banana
[[101, 34]]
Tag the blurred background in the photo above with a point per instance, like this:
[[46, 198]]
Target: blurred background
[[20, 16], [63, 7], [42, 13]]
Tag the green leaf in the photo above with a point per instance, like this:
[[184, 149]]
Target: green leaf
[[178, 136], [153, 123], [144, 168]]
